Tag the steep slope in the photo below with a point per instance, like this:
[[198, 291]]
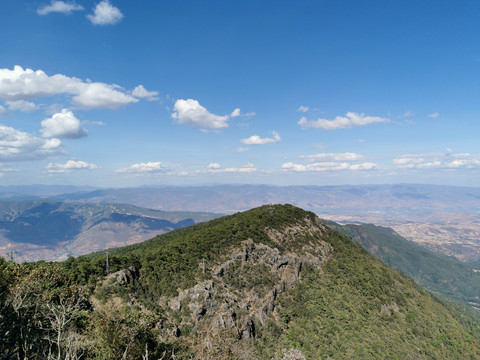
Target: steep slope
[[48, 230], [271, 283], [439, 273]]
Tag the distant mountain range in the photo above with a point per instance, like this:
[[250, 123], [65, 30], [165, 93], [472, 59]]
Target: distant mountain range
[[49, 230], [390, 200]]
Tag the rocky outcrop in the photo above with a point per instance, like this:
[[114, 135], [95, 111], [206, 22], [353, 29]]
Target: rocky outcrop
[[122, 277], [244, 288]]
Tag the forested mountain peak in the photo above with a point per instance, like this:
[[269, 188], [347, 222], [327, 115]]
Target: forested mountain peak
[[270, 283]]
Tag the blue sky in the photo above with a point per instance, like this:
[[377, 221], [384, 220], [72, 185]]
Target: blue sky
[[126, 93]]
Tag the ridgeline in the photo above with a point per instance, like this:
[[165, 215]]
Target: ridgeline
[[270, 283]]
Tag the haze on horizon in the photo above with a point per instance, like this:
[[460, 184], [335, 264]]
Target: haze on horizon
[[121, 93]]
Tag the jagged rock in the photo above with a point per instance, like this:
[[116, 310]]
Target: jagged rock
[[226, 320], [123, 277], [249, 329]]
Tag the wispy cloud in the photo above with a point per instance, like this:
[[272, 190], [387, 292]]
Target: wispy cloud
[[447, 160], [303, 109], [141, 92], [145, 168], [59, 7], [330, 162], [69, 166], [217, 168], [434, 115], [351, 119], [257, 140]]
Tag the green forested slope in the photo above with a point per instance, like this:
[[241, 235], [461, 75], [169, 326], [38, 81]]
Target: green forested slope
[[264, 284], [439, 273]]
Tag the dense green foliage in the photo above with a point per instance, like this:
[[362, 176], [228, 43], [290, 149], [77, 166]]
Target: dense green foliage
[[442, 274], [360, 308], [357, 307]]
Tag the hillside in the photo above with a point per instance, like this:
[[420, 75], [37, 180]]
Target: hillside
[[49, 230], [444, 275], [270, 283]]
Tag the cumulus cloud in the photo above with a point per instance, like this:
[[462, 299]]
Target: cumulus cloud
[[19, 146], [141, 92], [145, 168], [448, 160], [100, 95], [105, 14], [217, 168], [21, 105], [303, 109], [26, 84], [434, 115], [70, 165], [235, 113], [59, 7], [190, 112], [63, 125], [331, 162], [351, 119], [257, 140]]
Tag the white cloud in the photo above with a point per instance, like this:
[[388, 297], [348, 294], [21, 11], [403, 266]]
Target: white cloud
[[63, 125], [214, 166], [145, 168], [20, 84], [351, 119], [242, 149], [69, 166], [105, 14], [141, 92], [190, 112], [303, 109], [328, 166], [434, 115], [19, 146], [408, 114], [331, 162], [333, 157], [235, 113], [21, 105], [3, 111], [59, 7], [257, 140], [217, 168], [437, 161]]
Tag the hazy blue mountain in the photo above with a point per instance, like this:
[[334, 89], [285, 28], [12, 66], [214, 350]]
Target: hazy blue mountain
[[321, 199], [40, 229]]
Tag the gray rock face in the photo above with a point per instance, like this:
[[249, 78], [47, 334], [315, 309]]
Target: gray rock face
[[123, 277]]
